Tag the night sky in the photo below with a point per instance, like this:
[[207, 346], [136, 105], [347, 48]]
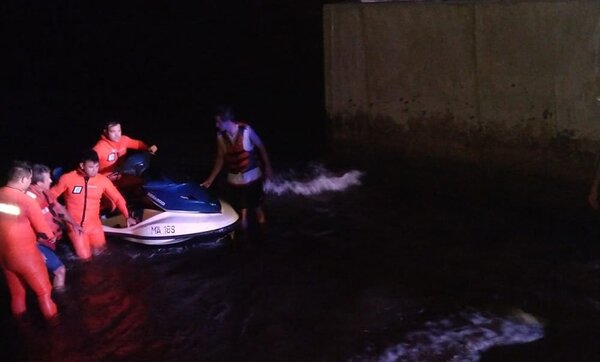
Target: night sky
[[160, 69]]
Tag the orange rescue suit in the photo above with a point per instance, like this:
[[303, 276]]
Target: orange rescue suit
[[109, 151], [21, 221], [82, 199]]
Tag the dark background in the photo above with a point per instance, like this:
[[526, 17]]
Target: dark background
[[161, 68]]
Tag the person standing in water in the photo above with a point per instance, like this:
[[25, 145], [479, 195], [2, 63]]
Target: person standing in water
[[56, 216], [22, 224], [245, 157], [83, 189]]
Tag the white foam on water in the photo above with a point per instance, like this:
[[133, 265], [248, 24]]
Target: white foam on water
[[465, 337], [318, 180]]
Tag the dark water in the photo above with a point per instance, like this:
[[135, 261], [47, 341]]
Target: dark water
[[425, 260], [408, 265]]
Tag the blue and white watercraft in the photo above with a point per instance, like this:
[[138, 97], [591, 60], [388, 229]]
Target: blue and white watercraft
[[172, 212]]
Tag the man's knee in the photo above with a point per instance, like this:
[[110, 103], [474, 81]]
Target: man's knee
[[97, 239], [59, 278], [61, 271], [81, 245], [83, 252]]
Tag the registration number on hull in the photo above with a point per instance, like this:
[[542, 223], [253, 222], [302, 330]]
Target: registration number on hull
[[162, 229]]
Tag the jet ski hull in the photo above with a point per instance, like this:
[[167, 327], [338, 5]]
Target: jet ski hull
[[164, 227]]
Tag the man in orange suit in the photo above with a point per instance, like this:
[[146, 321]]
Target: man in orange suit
[[21, 224], [56, 217], [83, 189], [113, 144]]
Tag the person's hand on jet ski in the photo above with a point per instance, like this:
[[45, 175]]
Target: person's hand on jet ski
[[218, 165], [134, 164], [115, 176], [153, 149], [131, 221]]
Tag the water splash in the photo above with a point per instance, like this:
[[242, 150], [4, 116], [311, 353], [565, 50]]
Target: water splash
[[317, 180], [465, 337]]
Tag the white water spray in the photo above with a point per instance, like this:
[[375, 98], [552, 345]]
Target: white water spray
[[318, 180], [465, 337]]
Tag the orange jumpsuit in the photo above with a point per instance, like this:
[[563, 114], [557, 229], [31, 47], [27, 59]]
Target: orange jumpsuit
[[20, 219], [82, 200], [109, 151]]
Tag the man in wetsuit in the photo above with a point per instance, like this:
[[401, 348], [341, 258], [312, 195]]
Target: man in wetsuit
[[113, 144], [56, 217], [83, 189], [21, 225], [242, 152]]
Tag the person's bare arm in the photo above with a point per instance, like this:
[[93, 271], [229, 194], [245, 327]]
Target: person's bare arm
[[217, 166], [264, 155], [115, 196], [66, 216]]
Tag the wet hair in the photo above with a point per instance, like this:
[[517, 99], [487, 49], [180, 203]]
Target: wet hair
[[89, 155], [225, 112], [38, 173], [18, 170], [111, 123]]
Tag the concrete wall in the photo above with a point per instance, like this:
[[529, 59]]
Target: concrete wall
[[529, 68]]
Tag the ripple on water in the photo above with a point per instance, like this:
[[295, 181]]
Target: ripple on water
[[464, 337]]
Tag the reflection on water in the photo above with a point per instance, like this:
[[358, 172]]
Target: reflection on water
[[395, 265], [103, 314]]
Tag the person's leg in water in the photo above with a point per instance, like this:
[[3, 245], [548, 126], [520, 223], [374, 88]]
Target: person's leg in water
[[18, 306], [60, 274], [54, 265], [244, 220], [40, 283], [36, 276], [81, 244], [261, 220], [235, 196], [97, 239], [241, 232]]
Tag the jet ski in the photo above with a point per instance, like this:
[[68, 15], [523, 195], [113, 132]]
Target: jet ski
[[170, 212]]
